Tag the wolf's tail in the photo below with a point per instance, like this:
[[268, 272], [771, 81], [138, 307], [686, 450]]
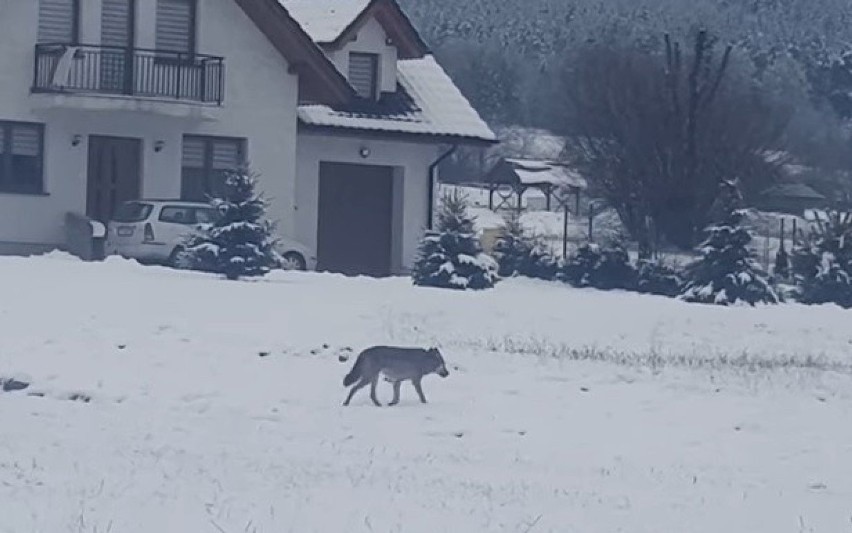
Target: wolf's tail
[[355, 373]]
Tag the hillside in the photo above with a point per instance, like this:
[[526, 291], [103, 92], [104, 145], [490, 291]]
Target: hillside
[[545, 27]]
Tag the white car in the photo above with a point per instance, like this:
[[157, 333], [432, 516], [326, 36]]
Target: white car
[[154, 231]]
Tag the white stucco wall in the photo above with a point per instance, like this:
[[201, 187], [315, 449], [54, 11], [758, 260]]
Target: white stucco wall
[[411, 185], [260, 105], [372, 39]]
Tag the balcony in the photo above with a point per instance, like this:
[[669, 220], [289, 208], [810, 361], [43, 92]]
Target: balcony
[[135, 74]]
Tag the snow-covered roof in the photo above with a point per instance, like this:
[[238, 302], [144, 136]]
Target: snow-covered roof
[[532, 172], [812, 215], [325, 20], [427, 102]]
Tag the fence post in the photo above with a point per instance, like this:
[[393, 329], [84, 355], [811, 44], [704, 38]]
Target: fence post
[[565, 231], [591, 222], [795, 235]]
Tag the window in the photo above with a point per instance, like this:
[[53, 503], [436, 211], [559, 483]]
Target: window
[[177, 215], [58, 21], [21, 148], [132, 212], [176, 26], [206, 162], [187, 215], [363, 74]]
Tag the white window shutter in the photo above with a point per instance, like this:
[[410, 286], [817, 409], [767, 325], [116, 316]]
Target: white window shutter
[[175, 25], [363, 74], [56, 21], [226, 155], [115, 23], [25, 140], [193, 152]]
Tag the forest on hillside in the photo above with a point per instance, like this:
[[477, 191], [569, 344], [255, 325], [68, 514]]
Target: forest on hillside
[[517, 59]]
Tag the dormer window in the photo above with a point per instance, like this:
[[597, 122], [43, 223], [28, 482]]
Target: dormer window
[[364, 74]]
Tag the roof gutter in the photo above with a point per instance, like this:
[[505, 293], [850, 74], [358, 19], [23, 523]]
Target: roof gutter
[[433, 182], [395, 135]]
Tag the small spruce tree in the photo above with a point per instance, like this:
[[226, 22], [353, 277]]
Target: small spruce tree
[[727, 273], [519, 254], [823, 264], [512, 248], [451, 257], [240, 243]]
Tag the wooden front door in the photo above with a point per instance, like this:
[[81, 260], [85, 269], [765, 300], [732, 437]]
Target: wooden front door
[[114, 175], [354, 229]]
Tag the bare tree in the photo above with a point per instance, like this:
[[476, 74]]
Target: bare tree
[[657, 132]]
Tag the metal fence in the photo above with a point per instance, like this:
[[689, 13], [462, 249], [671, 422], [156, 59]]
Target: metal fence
[[62, 68]]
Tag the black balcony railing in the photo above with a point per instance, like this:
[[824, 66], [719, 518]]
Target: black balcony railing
[[83, 69]]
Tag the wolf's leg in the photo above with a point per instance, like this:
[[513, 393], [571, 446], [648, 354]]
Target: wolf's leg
[[373, 385], [419, 388], [396, 385], [358, 386]]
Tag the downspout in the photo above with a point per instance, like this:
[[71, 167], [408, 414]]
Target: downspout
[[433, 181]]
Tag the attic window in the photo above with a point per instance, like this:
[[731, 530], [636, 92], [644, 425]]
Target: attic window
[[364, 74]]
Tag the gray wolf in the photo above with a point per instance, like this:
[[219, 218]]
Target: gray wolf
[[396, 364]]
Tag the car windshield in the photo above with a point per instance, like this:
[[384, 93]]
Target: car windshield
[[132, 212]]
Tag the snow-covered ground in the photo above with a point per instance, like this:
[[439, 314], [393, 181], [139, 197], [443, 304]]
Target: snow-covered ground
[[202, 405]]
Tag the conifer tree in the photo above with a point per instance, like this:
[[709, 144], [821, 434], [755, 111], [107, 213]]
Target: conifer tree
[[452, 257], [240, 242]]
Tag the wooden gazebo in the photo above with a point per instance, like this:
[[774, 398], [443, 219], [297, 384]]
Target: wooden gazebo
[[512, 177]]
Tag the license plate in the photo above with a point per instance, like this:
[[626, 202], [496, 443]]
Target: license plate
[[124, 231]]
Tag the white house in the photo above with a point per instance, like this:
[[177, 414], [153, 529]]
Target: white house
[[337, 104]]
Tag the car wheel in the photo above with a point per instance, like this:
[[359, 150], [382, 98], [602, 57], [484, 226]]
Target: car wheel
[[178, 259], [293, 261]]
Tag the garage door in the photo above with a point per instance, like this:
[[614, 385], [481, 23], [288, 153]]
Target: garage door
[[355, 219]]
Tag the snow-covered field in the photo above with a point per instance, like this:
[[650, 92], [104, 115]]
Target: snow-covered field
[[202, 405]]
